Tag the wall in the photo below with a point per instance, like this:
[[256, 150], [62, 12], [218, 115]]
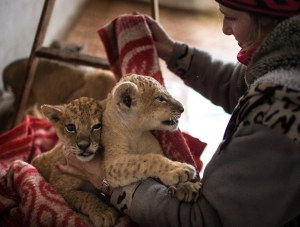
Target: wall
[[192, 5], [18, 23]]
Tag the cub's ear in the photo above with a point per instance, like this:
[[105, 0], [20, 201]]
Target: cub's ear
[[53, 113], [125, 95]]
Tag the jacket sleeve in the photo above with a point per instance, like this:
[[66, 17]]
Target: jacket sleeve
[[221, 82], [253, 182], [151, 206]]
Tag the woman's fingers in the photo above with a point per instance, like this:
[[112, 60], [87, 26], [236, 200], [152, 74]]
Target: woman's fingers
[[73, 166]]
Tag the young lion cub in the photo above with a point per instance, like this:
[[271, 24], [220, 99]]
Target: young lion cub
[[137, 105], [78, 126]]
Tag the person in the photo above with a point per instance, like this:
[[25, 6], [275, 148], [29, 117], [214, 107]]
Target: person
[[253, 177]]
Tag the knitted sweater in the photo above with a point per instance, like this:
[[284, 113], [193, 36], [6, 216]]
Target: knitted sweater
[[253, 178]]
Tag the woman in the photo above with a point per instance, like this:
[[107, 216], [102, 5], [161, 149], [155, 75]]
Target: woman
[[253, 178]]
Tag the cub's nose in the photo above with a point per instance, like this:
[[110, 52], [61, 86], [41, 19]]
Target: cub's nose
[[177, 107], [181, 110], [180, 107], [83, 146]]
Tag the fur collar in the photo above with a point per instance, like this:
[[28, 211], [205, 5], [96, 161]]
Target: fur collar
[[279, 51], [282, 77]]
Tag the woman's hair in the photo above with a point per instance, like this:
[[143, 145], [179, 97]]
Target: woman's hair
[[262, 25]]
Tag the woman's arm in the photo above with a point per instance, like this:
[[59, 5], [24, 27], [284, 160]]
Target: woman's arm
[[251, 183], [221, 82]]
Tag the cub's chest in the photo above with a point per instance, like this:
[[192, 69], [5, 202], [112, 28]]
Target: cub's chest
[[145, 143]]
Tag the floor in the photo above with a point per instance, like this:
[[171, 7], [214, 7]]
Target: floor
[[201, 119]]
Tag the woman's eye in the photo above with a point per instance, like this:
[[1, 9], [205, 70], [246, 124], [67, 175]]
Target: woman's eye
[[229, 18], [96, 127], [161, 98], [71, 128]]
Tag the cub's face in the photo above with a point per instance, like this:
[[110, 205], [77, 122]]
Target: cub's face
[[146, 103], [78, 125], [158, 110]]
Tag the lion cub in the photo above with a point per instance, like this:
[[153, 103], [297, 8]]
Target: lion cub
[[78, 126], [137, 105]]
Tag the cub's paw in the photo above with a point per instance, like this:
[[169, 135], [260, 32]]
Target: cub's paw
[[177, 173], [188, 191], [106, 218]]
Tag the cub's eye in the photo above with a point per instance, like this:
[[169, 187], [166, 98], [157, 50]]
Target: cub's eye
[[96, 127], [161, 98], [71, 128]]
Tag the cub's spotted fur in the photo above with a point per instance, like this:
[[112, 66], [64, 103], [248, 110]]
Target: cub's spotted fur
[[137, 105], [78, 126]]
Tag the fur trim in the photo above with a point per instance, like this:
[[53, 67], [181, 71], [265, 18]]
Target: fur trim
[[287, 78], [280, 50]]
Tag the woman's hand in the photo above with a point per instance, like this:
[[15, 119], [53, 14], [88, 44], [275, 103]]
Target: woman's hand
[[90, 171], [164, 44]]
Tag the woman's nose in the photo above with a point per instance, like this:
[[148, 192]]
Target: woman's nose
[[226, 28]]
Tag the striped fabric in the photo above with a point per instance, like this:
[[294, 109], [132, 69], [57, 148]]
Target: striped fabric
[[279, 9]]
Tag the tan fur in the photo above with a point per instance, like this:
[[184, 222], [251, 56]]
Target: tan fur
[[79, 127], [137, 105], [54, 83]]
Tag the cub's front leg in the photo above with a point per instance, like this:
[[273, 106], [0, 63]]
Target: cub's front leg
[[101, 214], [129, 168]]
